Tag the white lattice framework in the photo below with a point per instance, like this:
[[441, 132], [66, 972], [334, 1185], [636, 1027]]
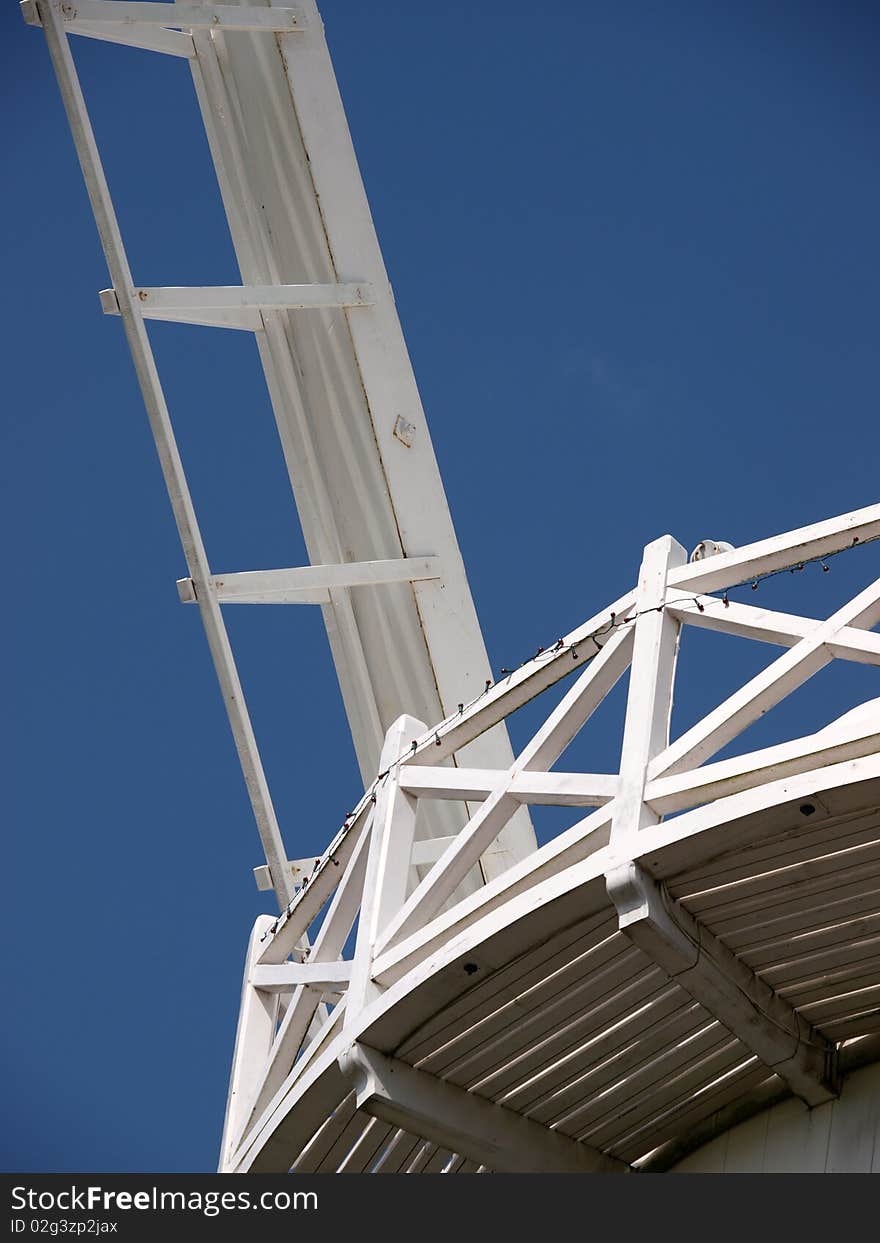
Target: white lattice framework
[[403, 934]]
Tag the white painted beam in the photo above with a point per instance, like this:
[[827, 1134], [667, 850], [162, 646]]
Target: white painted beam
[[706, 969], [311, 584], [131, 34], [780, 552], [236, 306], [284, 977], [475, 784], [360, 488], [746, 772], [228, 18], [767, 626], [762, 692], [247, 319], [578, 704], [461, 1122]]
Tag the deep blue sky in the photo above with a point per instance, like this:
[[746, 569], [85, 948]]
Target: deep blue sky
[[634, 248]]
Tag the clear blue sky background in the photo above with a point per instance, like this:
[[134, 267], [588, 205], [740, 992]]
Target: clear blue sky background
[[634, 248]]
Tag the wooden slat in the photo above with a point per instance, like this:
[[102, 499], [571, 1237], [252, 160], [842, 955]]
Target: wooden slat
[[587, 1035], [667, 1078], [504, 985], [842, 983], [834, 904], [608, 1083], [661, 1158], [438, 1162], [365, 1152], [832, 859], [311, 1157], [421, 1159], [854, 956], [680, 1118], [604, 1120], [856, 1025], [588, 1040], [344, 1143], [787, 947], [574, 1017], [574, 1072], [541, 990], [852, 1002], [399, 1153], [543, 1008], [855, 866], [789, 848]]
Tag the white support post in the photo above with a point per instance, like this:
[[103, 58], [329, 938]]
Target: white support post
[[388, 864], [651, 680], [253, 1040]]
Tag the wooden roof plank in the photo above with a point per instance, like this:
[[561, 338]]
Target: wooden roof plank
[[400, 1152], [325, 1137], [624, 978], [762, 895], [587, 1067], [774, 949], [835, 904], [363, 1155], [581, 976], [506, 984], [680, 1120], [785, 851], [595, 1122], [686, 1113]]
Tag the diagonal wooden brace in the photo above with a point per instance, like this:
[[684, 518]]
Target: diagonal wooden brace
[[706, 969]]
